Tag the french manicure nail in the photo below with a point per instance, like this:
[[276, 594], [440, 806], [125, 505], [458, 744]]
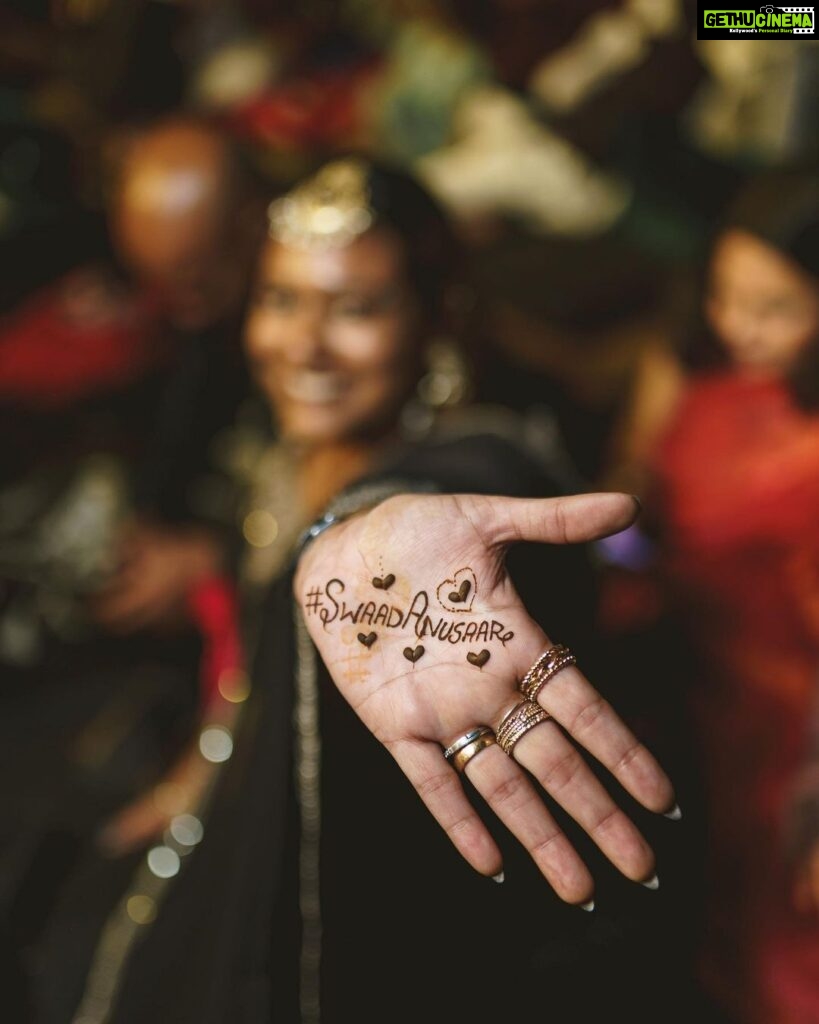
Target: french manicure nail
[[674, 814], [588, 907], [499, 877], [652, 883]]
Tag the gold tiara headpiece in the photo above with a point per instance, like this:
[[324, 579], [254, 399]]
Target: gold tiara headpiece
[[326, 211]]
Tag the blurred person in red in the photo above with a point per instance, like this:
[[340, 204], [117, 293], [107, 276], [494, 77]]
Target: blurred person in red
[[724, 443], [165, 344], [184, 223], [87, 719], [115, 525]]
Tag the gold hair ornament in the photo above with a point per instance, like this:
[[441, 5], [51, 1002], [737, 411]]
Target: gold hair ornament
[[327, 211]]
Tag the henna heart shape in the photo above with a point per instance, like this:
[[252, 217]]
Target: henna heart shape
[[458, 593], [479, 659], [383, 582], [368, 639], [413, 653]]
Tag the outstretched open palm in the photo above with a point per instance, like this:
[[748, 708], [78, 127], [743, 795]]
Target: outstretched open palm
[[415, 616]]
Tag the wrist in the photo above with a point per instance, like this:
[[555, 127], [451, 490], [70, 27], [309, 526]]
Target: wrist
[[354, 504], [315, 530], [314, 540]]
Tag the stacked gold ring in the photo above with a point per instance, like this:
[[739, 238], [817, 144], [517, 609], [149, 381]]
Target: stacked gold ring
[[545, 668], [517, 722], [461, 752]]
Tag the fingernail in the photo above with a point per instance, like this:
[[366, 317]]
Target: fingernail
[[638, 503], [499, 877], [652, 883], [674, 814], [588, 907]]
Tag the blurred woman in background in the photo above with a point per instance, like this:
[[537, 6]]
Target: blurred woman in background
[[725, 446], [280, 911]]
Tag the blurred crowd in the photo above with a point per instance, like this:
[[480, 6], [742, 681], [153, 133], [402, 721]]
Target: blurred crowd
[[636, 216]]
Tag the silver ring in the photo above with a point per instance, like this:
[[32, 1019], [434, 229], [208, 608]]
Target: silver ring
[[465, 740]]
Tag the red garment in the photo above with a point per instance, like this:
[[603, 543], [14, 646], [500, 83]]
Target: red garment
[[76, 338], [738, 474], [325, 109], [214, 609]]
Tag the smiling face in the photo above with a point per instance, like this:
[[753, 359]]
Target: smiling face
[[762, 307], [333, 337]]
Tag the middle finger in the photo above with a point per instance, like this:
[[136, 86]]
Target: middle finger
[[551, 758], [511, 795]]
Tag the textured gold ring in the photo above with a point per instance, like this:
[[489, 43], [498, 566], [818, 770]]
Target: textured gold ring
[[517, 722], [545, 668], [462, 758]]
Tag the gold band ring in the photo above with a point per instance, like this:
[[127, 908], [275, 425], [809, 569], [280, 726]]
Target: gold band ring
[[462, 741], [462, 758], [545, 668], [517, 722]]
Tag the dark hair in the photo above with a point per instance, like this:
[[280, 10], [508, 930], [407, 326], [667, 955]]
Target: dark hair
[[449, 321], [398, 202], [433, 257], [781, 208]]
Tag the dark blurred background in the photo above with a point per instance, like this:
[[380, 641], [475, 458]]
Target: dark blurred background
[[585, 150]]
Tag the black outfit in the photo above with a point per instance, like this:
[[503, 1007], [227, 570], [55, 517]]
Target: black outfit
[[409, 931], [178, 478]]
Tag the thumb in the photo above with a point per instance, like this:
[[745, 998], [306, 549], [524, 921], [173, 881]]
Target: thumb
[[566, 520]]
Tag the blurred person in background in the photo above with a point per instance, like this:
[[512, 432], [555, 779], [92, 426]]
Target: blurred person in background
[[723, 442], [538, 190], [116, 529], [181, 220], [254, 905], [183, 214], [87, 719]]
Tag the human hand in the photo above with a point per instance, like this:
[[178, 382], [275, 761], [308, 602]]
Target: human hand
[[158, 568], [397, 599], [149, 814]]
